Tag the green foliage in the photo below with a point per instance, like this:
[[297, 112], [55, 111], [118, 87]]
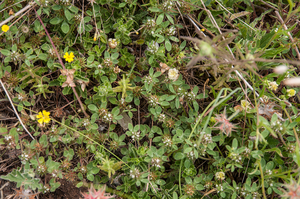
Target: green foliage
[[144, 108]]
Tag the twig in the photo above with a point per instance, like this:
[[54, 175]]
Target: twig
[[30, 4], [16, 112], [61, 62], [290, 36], [21, 16]]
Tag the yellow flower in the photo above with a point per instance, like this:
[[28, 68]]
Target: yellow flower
[[5, 28], [291, 92], [43, 117], [69, 57]]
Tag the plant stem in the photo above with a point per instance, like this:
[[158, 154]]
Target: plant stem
[[262, 180], [62, 64]]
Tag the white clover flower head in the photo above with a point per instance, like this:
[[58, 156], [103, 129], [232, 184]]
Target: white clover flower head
[[113, 43], [100, 66], [173, 74], [220, 175], [245, 104], [272, 85], [291, 92]]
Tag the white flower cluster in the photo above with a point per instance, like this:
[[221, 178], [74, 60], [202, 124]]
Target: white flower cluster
[[202, 151], [171, 31], [148, 79], [167, 5], [173, 74], [291, 148], [207, 139], [135, 135], [24, 158], [153, 100], [107, 62], [219, 187], [65, 2], [277, 126], [247, 152], [8, 137], [108, 117], [83, 169], [255, 195], [220, 175], [100, 66], [191, 96], [86, 122], [272, 85], [156, 162], [236, 157], [153, 47], [41, 169], [150, 23], [268, 172], [135, 173], [77, 17], [46, 189], [161, 117], [20, 97], [54, 173], [167, 141], [191, 155], [14, 56]]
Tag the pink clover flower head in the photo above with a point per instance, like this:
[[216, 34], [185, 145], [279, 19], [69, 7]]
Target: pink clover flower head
[[93, 194]]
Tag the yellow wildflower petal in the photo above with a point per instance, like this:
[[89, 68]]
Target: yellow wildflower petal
[[47, 120], [66, 55], [41, 120], [5, 28], [40, 115], [45, 113]]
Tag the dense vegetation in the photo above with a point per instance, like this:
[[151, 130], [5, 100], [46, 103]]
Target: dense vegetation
[[151, 99]]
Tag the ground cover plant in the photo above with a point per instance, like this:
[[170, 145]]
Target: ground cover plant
[[149, 99]]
